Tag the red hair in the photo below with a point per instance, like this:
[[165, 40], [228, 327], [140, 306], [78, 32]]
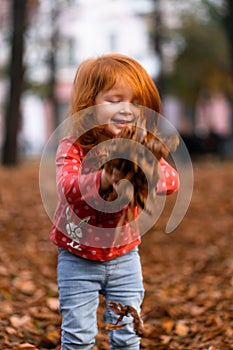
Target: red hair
[[101, 74]]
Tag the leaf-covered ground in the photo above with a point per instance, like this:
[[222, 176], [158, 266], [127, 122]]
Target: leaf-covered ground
[[188, 274]]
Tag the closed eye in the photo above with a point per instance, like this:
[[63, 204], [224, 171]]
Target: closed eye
[[113, 101]]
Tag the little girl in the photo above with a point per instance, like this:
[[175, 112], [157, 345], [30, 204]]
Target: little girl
[[89, 261]]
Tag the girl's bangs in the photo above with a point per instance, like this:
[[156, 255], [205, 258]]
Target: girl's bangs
[[130, 77], [118, 73]]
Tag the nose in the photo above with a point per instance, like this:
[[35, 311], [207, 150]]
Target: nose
[[125, 108]]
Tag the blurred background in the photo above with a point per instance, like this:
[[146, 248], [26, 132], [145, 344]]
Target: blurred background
[[186, 46]]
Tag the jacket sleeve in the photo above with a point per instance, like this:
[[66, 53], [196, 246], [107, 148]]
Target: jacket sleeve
[[73, 182], [168, 179]]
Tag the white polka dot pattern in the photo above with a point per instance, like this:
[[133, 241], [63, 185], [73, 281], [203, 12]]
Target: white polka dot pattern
[[75, 189]]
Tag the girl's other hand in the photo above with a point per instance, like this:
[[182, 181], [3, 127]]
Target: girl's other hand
[[110, 180]]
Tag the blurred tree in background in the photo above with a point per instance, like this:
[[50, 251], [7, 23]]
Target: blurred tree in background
[[204, 58], [21, 17], [203, 63], [228, 26], [16, 73]]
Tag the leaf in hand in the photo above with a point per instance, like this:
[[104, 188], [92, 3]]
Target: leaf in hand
[[139, 163]]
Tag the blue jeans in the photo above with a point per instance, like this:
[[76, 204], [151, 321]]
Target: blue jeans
[[80, 281]]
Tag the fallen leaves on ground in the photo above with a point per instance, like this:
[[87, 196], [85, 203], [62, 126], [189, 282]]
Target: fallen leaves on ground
[[188, 274]]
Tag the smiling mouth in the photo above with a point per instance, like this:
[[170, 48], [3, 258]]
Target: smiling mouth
[[122, 121]]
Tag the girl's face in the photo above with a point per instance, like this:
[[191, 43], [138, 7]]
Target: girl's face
[[117, 108]]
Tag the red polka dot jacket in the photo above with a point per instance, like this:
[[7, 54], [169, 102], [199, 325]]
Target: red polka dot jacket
[[83, 223]]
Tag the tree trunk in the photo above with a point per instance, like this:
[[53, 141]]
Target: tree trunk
[[229, 27], [53, 64], [16, 72], [158, 43]]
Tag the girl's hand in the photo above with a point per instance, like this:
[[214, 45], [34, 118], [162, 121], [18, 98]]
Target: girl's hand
[[110, 180]]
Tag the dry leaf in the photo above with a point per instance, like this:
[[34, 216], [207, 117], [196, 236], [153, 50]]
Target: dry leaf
[[181, 329], [53, 303], [17, 321], [25, 346], [25, 286], [50, 339], [168, 325], [11, 330], [113, 326], [138, 162], [123, 311], [165, 339]]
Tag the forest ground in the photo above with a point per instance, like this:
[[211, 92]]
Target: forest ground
[[188, 274]]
